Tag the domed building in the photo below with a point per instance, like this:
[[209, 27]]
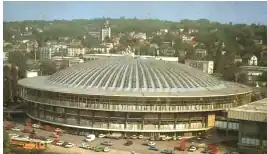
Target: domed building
[[131, 95]]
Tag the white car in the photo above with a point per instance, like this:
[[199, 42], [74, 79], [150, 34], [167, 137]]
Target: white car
[[134, 137], [106, 149], [13, 135], [35, 126], [69, 145], [192, 149], [59, 143], [179, 138], [101, 135], [16, 129], [48, 140], [23, 137], [151, 143], [174, 138], [140, 136]]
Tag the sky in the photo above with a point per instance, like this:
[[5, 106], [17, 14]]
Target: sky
[[224, 12]]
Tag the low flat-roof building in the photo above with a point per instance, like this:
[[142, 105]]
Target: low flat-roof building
[[252, 136]]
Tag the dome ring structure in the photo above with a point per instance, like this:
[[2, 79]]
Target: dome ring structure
[[131, 95]]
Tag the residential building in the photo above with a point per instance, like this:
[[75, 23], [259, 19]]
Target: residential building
[[94, 34], [205, 66], [76, 50], [46, 53], [105, 31], [237, 59], [99, 49], [252, 134], [201, 53], [66, 61], [32, 73], [253, 61], [252, 72], [187, 38]]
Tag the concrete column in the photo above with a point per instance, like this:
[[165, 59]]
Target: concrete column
[[227, 125], [189, 122], [93, 118], [54, 110], [159, 120], [203, 120], [38, 110], [143, 121], [240, 132], [109, 119], [260, 134], [126, 120], [175, 121], [65, 115], [78, 118]]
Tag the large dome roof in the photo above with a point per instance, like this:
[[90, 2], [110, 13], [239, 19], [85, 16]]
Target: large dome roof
[[128, 74]]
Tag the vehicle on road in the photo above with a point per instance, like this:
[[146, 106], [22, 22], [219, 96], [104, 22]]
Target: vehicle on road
[[15, 129], [179, 138], [151, 143], [140, 136], [129, 143], [153, 148], [107, 143], [101, 135], [23, 137], [57, 130], [192, 148], [167, 151], [59, 143], [90, 137], [69, 145], [36, 126], [134, 136], [13, 135], [106, 149]]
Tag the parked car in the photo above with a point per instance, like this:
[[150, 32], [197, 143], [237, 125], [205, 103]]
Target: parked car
[[128, 143], [101, 135], [23, 137], [179, 138], [174, 138], [134, 137], [48, 140], [57, 130], [36, 126], [153, 148], [107, 143], [13, 135], [151, 143], [106, 149], [140, 136], [192, 148], [69, 145], [15, 129], [167, 151], [59, 143]]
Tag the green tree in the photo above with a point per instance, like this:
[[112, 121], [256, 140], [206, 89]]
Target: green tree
[[19, 59], [48, 67], [6, 145], [263, 76]]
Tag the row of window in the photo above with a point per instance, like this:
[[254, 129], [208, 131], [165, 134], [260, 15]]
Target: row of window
[[25, 92], [133, 108], [129, 126]]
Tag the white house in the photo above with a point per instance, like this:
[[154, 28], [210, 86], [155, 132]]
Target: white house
[[253, 61], [205, 66], [76, 51]]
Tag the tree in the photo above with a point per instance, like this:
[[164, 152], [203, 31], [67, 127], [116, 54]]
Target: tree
[[263, 76], [19, 59], [6, 147], [48, 67]]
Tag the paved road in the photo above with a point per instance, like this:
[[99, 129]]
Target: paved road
[[117, 144]]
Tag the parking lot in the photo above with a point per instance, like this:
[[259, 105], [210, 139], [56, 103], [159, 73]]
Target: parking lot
[[118, 145]]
